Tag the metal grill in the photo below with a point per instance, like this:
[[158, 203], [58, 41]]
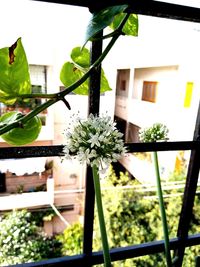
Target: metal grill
[[88, 257]]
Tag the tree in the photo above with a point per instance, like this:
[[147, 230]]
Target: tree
[[133, 217], [72, 239], [21, 240]]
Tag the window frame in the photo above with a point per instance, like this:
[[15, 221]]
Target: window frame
[[149, 91]]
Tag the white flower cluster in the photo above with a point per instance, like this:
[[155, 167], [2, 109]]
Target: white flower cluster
[[157, 132], [95, 141]]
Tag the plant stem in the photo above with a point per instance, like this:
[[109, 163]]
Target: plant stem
[[27, 117], [162, 211], [105, 246]]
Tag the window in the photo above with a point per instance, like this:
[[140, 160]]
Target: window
[[123, 85], [38, 74], [133, 133], [188, 94], [149, 91], [123, 77], [38, 85]]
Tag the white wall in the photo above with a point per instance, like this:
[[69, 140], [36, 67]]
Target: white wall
[[166, 51]]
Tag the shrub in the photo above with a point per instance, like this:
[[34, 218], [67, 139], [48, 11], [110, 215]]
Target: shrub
[[72, 239], [132, 218], [21, 240]]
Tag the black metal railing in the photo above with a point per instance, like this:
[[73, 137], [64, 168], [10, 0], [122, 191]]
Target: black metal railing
[[178, 244]]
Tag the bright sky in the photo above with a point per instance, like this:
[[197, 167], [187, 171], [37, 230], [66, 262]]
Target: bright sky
[[40, 23], [46, 21], [64, 26], [23, 16]]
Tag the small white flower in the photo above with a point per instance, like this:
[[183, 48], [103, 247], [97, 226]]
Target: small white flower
[[82, 133], [94, 140]]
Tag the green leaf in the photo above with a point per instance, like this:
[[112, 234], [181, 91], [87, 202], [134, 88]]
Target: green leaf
[[14, 73], [104, 83], [70, 74], [131, 26], [81, 57], [73, 71], [101, 20], [21, 135]]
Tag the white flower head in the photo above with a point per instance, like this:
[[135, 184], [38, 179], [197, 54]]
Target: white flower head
[[94, 140], [157, 132]]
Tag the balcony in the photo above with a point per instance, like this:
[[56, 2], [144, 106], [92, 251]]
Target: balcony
[[89, 258]]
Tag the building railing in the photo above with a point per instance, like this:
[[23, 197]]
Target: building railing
[[178, 244]]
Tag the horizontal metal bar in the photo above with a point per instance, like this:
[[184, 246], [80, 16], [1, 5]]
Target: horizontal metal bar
[[163, 146], [151, 248], [116, 254], [31, 151], [57, 150], [143, 7], [69, 261]]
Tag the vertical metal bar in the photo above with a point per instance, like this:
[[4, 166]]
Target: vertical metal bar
[[95, 78], [189, 195], [93, 107]]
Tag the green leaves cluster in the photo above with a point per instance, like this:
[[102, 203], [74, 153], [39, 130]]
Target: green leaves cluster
[[72, 239], [75, 70], [111, 16], [21, 240], [15, 81]]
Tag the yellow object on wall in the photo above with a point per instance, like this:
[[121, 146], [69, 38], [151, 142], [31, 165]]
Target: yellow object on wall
[[188, 94]]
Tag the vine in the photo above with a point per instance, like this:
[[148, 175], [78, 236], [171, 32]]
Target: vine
[[14, 74]]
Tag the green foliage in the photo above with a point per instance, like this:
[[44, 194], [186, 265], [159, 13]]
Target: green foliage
[[133, 217], [122, 180], [72, 239], [21, 135], [81, 57], [178, 175], [112, 17], [21, 240], [14, 73], [43, 215], [15, 84], [131, 26], [192, 252], [71, 72], [101, 20]]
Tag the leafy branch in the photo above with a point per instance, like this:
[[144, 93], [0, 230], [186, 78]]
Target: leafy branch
[[53, 98], [73, 75]]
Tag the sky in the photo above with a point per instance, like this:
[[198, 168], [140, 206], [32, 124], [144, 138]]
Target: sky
[[39, 23], [63, 27]]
